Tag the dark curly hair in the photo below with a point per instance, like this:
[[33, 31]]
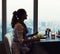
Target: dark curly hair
[[17, 15]]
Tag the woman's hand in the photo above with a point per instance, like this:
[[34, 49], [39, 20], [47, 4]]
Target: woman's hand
[[31, 35], [22, 40]]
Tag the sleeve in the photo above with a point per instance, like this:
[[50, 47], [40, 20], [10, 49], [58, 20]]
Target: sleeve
[[19, 31]]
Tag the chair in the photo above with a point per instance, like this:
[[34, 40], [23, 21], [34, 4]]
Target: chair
[[8, 41]]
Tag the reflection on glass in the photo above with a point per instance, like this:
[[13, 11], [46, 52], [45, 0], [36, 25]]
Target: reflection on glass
[[13, 5]]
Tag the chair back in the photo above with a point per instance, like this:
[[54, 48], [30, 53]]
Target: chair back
[[8, 41]]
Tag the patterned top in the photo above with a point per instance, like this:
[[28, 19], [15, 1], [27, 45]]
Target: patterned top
[[20, 31]]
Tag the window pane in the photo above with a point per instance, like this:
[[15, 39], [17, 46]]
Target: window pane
[[13, 5], [48, 15], [0, 20]]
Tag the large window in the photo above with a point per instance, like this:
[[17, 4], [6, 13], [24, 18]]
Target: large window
[[48, 15], [0, 20], [13, 5]]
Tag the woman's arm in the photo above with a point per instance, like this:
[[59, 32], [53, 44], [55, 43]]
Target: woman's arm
[[31, 35]]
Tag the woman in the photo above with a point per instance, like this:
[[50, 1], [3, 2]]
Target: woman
[[19, 32]]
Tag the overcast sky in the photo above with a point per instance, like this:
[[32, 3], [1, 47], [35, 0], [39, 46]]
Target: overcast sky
[[49, 10], [14, 5]]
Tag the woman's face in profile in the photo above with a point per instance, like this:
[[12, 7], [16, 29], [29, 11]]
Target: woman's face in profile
[[24, 16]]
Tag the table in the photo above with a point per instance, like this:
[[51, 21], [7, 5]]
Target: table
[[49, 39], [51, 45]]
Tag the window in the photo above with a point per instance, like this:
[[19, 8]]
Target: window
[[48, 15], [13, 5], [0, 20]]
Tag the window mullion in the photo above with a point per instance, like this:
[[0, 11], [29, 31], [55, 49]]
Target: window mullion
[[35, 16], [3, 19]]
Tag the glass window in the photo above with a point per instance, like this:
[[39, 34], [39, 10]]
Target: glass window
[[48, 15], [0, 20], [13, 5]]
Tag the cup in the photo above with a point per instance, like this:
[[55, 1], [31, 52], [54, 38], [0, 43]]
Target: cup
[[52, 35]]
